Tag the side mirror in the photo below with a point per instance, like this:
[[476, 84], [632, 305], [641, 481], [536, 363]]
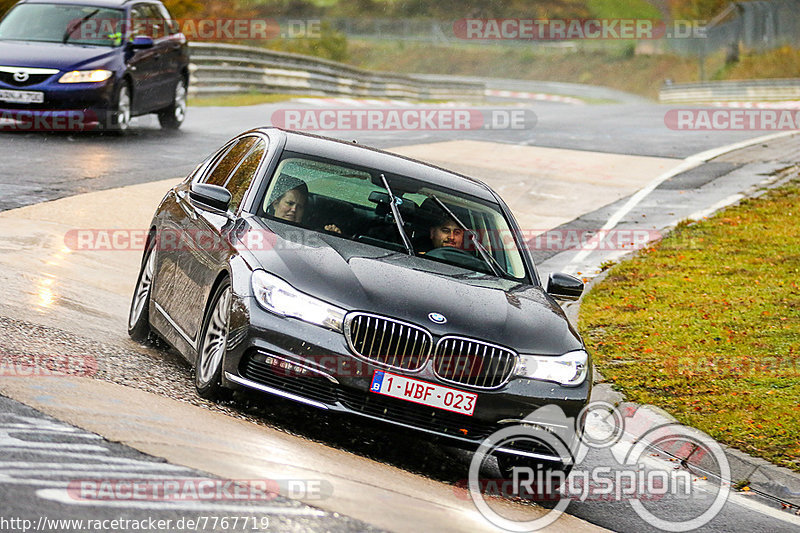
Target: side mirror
[[212, 196], [564, 287], [174, 26], [141, 42]]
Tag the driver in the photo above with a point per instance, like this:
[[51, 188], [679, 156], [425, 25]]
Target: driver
[[446, 232]]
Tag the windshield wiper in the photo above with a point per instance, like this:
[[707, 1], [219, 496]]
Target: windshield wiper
[[485, 255], [398, 219], [77, 24]]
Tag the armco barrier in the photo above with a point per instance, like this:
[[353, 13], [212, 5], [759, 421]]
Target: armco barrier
[[774, 90], [226, 68]]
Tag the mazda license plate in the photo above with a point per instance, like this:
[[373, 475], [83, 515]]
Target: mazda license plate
[[21, 97]]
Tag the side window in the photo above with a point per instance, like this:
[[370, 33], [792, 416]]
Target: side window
[[173, 26], [229, 161], [242, 177], [147, 21]]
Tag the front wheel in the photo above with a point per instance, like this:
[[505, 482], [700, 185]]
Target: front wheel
[[208, 365], [121, 116], [173, 116]]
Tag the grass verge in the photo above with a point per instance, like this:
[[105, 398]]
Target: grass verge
[[609, 64], [241, 99], [706, 325]]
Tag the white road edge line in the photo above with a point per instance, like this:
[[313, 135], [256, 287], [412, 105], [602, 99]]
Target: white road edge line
[[737, 498], [61, 496], [687, 164]]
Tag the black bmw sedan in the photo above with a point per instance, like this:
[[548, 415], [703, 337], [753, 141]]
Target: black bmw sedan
[[359, 281]]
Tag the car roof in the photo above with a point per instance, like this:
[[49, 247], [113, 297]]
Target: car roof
[[96, 3], [365, 156]]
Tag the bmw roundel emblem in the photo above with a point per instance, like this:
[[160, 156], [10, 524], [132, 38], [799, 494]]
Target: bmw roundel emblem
[[438, 318]]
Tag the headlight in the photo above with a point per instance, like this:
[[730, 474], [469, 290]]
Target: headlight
[[277, 296], [569, 370], [85, 76]]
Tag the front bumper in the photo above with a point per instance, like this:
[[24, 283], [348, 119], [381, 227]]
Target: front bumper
[[68, 107], [314, 366]]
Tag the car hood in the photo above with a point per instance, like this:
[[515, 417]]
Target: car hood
[[356, 276], [51, 55]]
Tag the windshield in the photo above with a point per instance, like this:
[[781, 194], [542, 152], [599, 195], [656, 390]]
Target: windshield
[[353, 203], [58, 23]]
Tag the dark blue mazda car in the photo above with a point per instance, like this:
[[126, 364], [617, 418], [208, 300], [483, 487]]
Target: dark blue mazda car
[[85, 64]]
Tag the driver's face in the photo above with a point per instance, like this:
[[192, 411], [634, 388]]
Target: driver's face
[[448, 234]]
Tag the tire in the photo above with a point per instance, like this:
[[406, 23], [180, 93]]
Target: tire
[[551, 474], [173, 116], [507, 463], [120, 120], [211, 355], [139, 315]]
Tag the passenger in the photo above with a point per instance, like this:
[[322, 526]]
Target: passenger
[[291, 198]]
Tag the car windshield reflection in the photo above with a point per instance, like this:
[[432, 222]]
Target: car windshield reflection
[[440, 224], [58, 23]]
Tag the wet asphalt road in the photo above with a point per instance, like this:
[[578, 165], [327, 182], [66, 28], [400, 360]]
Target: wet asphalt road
[[40, 167], [61, 467]]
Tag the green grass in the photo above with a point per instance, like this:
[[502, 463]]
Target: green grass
[[705, 325], [608, 64], [628, 9], [241, 99]]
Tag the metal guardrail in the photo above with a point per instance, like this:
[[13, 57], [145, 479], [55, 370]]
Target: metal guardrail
[[218, 68], [773, 90]]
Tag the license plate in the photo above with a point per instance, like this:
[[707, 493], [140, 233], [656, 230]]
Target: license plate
[[22, 97], [422, 392]]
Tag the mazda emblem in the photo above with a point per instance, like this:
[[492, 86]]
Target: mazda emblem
[[21, 76]]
